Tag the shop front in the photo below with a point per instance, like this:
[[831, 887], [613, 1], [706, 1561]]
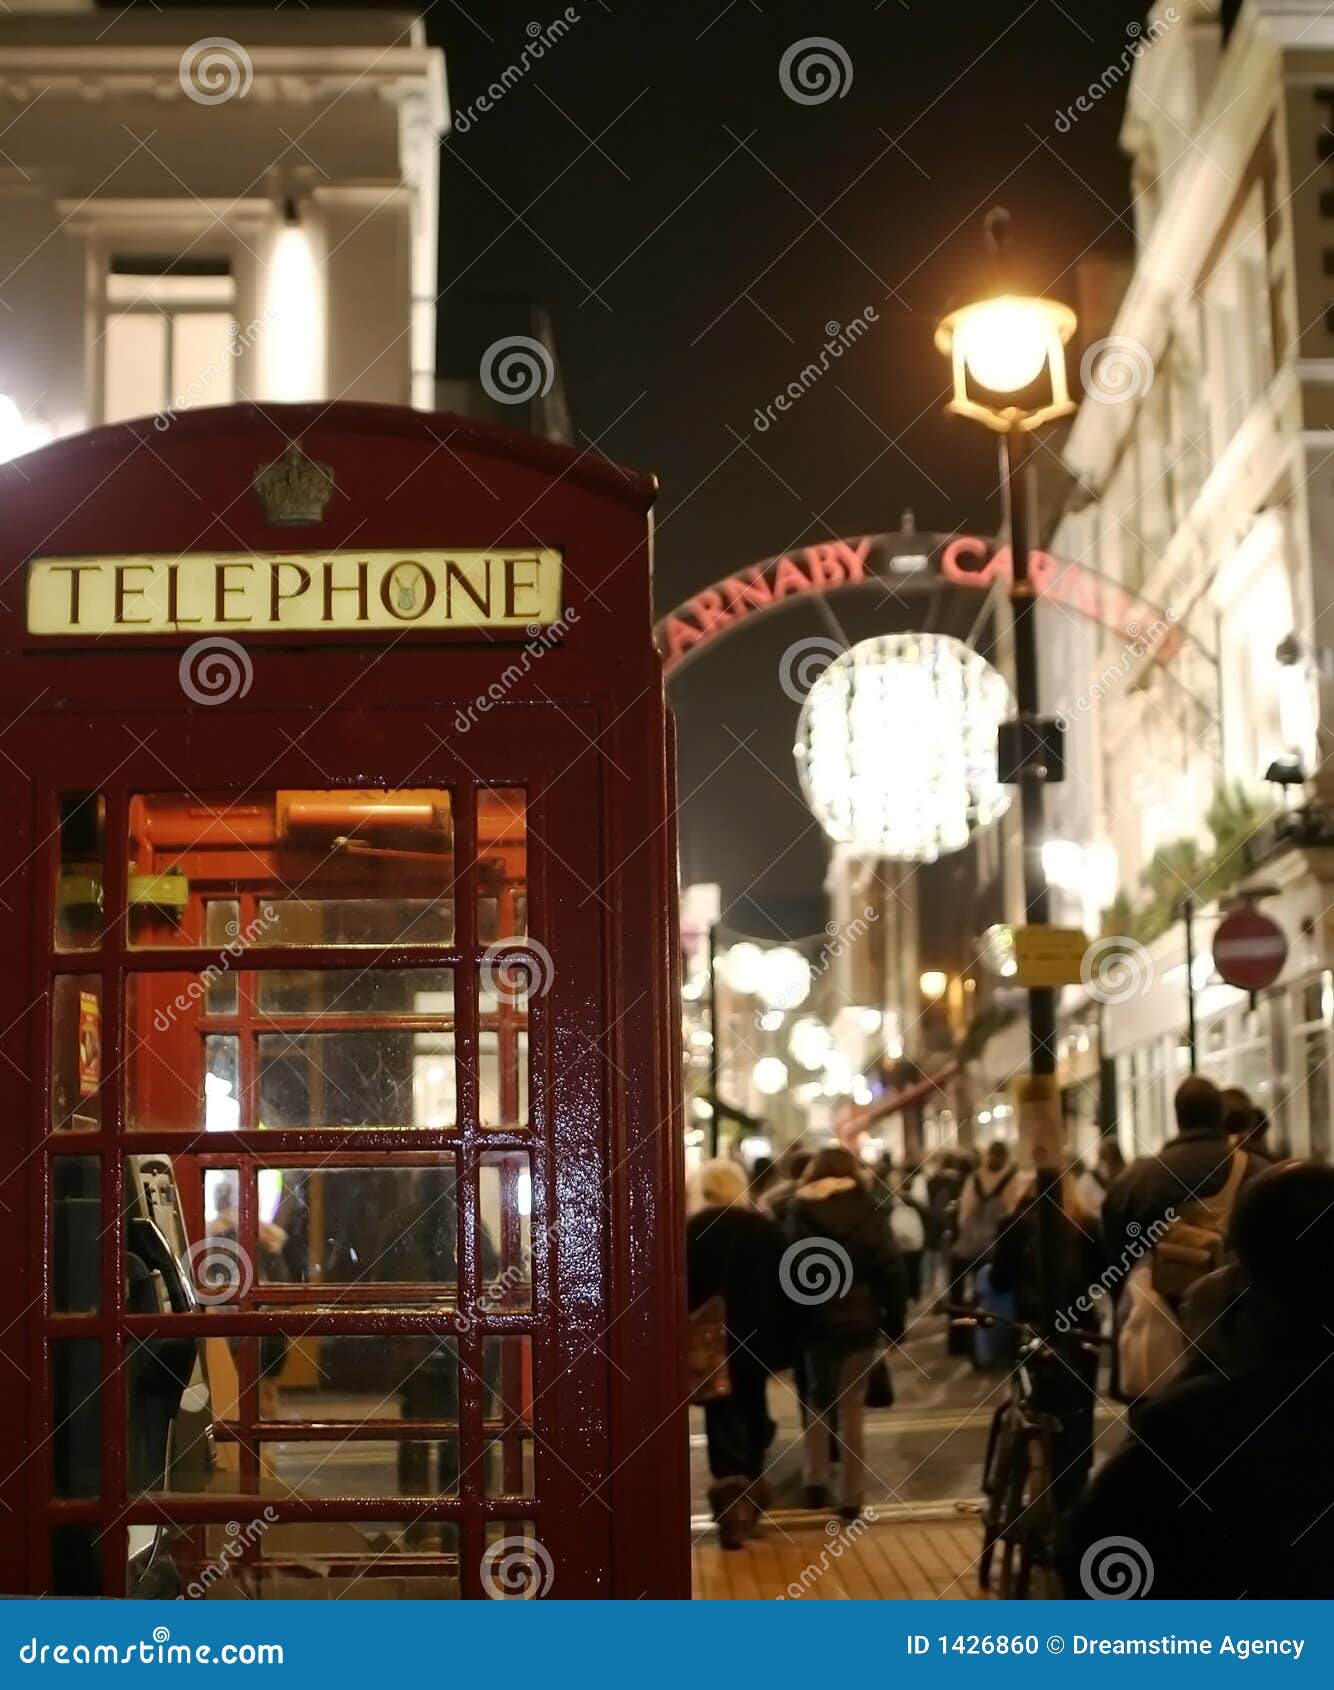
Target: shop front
[[341, 1176], [1275, 1045]]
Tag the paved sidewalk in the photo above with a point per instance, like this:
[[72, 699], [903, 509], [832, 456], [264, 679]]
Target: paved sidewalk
[[810, 1560]]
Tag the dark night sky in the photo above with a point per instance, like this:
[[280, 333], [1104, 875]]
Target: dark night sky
[[692, 230]]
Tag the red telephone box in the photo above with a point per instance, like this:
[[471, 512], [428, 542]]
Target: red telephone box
[[341, 1232]]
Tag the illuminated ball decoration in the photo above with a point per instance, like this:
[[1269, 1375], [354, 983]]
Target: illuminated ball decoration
[[896, 746]]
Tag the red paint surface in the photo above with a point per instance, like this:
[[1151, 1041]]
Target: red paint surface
[[583, 729]]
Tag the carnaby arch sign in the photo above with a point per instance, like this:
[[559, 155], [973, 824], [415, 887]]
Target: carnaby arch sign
[[895, 564]]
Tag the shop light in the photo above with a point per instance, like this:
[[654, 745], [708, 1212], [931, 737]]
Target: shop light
[[809, 1042], [743, 968], [18, 434], [771, 1020], [933, 983], [291, 347], [785, 978], [770, 1075], [896, 746]]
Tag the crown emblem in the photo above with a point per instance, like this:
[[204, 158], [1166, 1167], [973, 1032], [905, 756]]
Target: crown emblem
[[293, 489]]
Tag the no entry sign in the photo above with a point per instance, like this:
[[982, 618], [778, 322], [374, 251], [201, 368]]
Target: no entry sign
[[1249, 949]]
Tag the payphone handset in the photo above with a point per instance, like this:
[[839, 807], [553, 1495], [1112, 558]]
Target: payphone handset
[[170, 1427]]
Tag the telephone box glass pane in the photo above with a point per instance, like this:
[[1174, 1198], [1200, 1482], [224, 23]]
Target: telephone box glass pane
[[79, 885], [307, 1376], [382, 1225], [506, 984], [502, 864], [506, 1195], [76, 1053], [508, 1466], [328, 1560], [76, 1417], [76, 1234], [508, 1384], [76, 1560], [296, 1049], [319, 994], [342, 1464], [360, 867]]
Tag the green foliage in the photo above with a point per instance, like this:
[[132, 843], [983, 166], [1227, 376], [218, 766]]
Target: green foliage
[[1180, 867]]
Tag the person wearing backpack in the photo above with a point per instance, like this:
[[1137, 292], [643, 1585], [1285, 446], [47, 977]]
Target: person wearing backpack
[[1224, 1486], [1164, 1222], [986, 1202]]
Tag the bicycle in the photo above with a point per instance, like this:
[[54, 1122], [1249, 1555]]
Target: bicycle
[[1021, 1468]]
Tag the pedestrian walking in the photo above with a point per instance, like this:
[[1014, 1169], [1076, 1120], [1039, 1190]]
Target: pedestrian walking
[[1179, 1203], [1047, 1259], [1196, 1491], [733, 1252], [845, 1283], [986, 1200], [1094, 1180]]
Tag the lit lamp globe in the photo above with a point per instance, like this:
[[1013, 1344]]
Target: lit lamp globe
[[1003, 346], [896, 746]]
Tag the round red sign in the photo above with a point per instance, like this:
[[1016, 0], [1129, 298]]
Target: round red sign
[[1249, 949]]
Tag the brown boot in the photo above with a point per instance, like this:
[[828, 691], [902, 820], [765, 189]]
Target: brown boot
[[733, 1510], [761, 1495]]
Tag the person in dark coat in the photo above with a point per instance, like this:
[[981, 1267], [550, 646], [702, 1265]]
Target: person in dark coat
[[1196, 1163], [845, 1284], [1224, 1488], [734, 1252], [1047, 1258]]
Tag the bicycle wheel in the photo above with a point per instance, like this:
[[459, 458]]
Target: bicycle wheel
[[996, 1464]]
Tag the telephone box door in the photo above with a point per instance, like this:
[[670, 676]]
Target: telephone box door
[[317, 1001]]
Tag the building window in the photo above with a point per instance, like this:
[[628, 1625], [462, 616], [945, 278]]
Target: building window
[[169, 337], [1238, 322]]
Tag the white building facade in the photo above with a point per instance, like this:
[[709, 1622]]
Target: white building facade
[[204, 206], [1203, 457]]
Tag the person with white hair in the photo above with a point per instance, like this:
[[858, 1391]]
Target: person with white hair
[[733, 1252]]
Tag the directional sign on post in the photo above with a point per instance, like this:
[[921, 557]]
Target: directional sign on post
[[1048, 956], [1249, 949]]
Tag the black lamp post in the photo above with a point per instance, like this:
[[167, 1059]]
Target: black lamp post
[[1008, 361]]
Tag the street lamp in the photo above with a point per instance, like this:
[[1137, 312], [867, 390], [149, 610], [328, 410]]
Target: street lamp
[[1007, 353]]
